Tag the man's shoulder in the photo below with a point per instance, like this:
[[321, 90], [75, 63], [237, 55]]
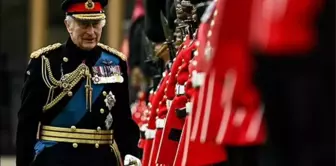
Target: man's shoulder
[[112, 51], [45, 50]]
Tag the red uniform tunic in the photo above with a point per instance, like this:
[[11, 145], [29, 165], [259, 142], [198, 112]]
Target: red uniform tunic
[[294, 46], [177, 62], [150, 131], [195, 152], [140, 113], [189, 92], [159, 122], [230, 113], [173, 126], [287, 27]]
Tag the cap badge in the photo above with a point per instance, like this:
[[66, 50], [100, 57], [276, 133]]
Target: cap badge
[[89, 4]]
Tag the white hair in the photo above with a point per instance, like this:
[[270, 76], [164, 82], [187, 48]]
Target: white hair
[[69, 19]]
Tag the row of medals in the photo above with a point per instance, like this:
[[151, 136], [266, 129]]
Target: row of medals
[[105, 75]]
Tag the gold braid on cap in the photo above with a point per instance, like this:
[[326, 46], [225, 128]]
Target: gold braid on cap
[[96, 16]]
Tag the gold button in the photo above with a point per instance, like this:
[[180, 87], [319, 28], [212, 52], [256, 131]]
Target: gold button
[[104, 93], [97, 145], [70, 93], [216, 12], [212, 23], [197, 43], [102, 110], [75, 145], [65, 59], [209, 33], [73, 128], [98, 128], [196, 53]]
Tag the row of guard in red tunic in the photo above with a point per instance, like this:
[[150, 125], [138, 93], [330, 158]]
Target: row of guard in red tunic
[[177, 112], [228, 108], [209, 99], [150, 128]]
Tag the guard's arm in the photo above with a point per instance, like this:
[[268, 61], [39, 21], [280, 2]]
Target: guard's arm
[[126, 132], [29, 113]]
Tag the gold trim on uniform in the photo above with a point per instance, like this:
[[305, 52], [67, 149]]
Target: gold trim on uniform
[[77, 141], [65, 59], [43, 50], [98, 16], [76, 136], [85, 131], [75, 145], [66, 83], [112, 50], [115, 149]]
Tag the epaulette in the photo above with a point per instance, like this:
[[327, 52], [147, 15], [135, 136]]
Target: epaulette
[[112, 50], [43, 50]]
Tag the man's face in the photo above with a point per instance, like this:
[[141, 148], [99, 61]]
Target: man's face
[[85, 34]]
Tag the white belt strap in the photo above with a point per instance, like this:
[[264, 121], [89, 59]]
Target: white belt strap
[[150, 134], [188, 107], [179, 89], [144, 127], [197, 79], [160, 123]]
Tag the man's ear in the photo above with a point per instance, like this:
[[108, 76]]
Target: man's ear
[[68, 25]]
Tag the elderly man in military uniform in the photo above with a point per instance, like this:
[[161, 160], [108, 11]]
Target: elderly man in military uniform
[[75, 109]]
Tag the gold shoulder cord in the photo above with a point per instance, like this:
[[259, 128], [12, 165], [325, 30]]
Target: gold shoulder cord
[[116, 152], [67, 82], [112, 50], [43, 50]]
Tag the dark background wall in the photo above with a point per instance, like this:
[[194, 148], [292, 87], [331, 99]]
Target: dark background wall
[[13, 51]]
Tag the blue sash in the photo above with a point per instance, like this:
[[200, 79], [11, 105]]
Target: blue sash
[[75, 110]]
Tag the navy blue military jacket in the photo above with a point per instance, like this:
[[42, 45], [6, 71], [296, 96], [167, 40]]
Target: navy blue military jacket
[[64, 59]]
